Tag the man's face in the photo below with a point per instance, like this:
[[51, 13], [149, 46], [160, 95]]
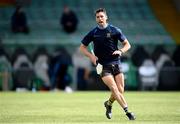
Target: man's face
[[101, 19]]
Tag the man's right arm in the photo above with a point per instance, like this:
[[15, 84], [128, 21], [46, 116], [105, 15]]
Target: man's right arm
[[85, 51]]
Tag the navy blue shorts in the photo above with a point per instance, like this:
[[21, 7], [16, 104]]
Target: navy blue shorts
[[111, 69]]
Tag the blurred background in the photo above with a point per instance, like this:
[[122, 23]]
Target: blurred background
[[39, 42]]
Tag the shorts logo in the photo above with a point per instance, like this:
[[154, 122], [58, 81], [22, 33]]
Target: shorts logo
[[108, 35]]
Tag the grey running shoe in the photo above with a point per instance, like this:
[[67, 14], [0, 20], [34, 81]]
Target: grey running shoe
[[108, 110], [131, 116]]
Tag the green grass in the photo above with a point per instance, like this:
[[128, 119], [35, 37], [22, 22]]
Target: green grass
[[87, 108]]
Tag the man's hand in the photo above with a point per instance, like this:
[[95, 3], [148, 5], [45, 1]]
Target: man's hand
[[118, 52]]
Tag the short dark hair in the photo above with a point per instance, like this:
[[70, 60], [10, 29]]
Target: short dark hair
[[100, 10]]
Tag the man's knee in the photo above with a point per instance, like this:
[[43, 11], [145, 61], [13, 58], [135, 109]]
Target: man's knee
[[114, 89], [121, 90]]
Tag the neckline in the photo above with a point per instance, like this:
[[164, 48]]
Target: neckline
[[102, 28]]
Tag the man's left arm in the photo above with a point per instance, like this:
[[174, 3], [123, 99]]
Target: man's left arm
[[125, 48]]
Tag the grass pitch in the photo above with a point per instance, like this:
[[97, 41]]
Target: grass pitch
[[87, 108]]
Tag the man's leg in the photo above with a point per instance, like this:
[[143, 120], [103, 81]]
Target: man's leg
[[120, 85], [110, 82], [119, 79]]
